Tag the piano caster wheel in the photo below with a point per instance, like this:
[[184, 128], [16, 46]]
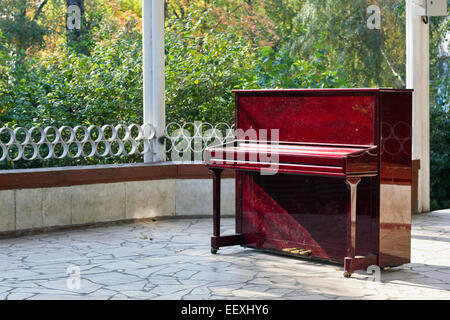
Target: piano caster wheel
[[347, 274], [214, 250]]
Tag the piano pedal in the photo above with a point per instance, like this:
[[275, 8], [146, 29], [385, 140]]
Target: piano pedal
[[298, 251], [306, 253]]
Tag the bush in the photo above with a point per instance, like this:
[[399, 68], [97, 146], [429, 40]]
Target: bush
[[439, 156], [203, 69]]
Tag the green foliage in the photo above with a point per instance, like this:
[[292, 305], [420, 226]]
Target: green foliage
[[440, 113], [370, 58], [73, 89], [5, 65], [440, 157], [281, 70], [104, 88], [132, 6], [20, 26], [202, 70]]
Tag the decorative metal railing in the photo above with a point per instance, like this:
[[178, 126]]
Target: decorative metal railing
[[184, 142], [187, 142], [80, 141]]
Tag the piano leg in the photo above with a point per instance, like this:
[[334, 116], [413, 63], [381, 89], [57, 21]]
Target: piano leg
[[352, 186], [352, 262], [216, 207]]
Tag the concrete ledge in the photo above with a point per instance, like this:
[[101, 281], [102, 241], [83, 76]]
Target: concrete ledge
[[84, 175], [186, 191], [7, 210]]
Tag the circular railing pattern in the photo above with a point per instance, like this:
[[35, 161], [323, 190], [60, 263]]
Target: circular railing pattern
[[80, 141], [197, 136], [38, 143]]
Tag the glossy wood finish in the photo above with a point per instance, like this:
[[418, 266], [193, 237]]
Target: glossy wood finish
[[321, 119], [216, 203], [216, 209], [287, 211], [295, 158], [395, 178], [330, 172], [352, 187]]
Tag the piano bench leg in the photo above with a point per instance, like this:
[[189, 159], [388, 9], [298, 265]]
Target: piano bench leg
[[358, 263]]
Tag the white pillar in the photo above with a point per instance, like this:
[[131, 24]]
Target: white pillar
[[417, 78], [153, 70], [147, 64]]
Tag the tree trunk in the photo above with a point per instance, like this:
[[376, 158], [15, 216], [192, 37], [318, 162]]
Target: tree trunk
[[75, 24]]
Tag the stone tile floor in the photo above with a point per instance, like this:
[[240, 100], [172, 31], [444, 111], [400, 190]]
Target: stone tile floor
[[170, 259]]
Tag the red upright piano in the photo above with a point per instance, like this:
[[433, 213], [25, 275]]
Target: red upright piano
[[320, 174]]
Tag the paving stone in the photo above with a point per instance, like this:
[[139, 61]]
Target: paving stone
[[139, 295], [173, 296], [49, 296], [44, 290], [18, 274], [120, 262], [196, 297], [111, 278], [4, 289], [131, 286], [19, 296], [122, 265], [85, 286]]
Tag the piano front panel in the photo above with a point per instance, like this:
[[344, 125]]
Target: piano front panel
[[294, 211], [334, 119]]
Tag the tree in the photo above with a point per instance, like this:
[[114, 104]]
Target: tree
[[244, 18], [370, 57], [76, 26], [21, 27], [74, 20]]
